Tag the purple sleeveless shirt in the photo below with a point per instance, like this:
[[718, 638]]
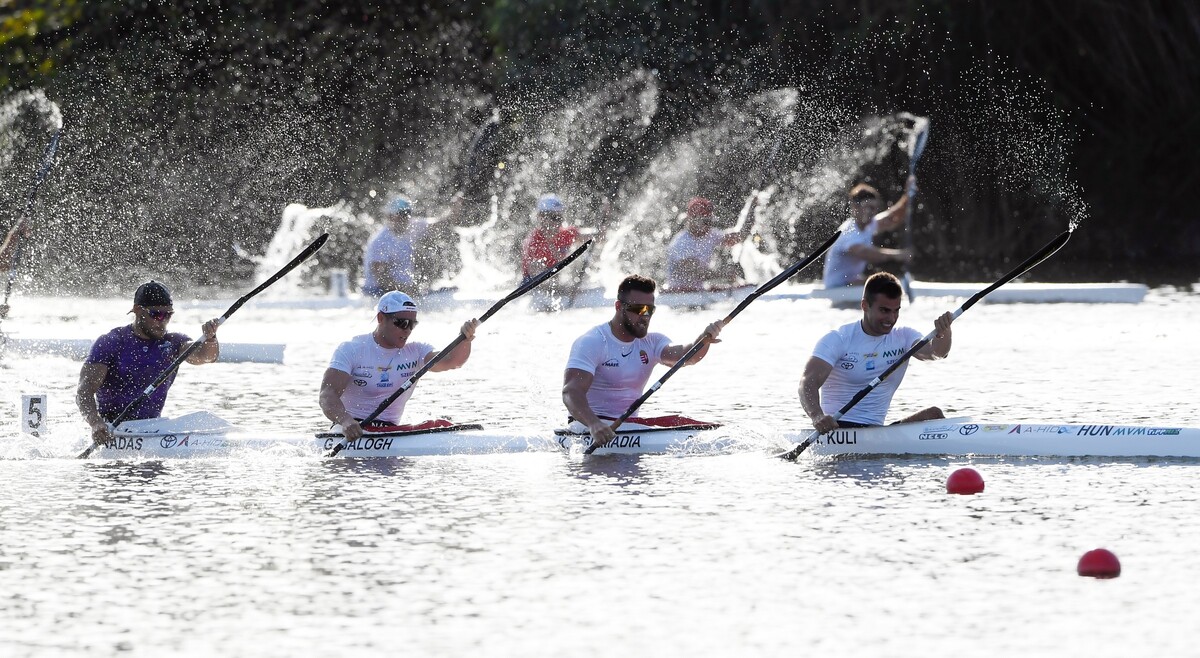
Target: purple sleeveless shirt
[[133, 364]]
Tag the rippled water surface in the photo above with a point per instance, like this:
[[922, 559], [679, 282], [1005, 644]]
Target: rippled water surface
[[547, 553]]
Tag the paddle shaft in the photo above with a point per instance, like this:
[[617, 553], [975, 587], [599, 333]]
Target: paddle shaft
[[704, 338], [922, 128], [580, 276], [521, 290], [162, 377], [47, 161], [1029, 263]]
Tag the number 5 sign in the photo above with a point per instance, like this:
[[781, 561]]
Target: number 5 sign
[[33, 414]]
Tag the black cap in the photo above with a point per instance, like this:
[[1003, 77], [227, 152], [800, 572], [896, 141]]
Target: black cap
[[152, 293]]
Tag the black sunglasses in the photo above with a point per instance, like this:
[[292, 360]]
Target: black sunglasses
[[156, 314], [640, 309], [404, 323]]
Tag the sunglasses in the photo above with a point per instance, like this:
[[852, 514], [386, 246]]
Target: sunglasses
[[640, 309], [404, 323], [158, 315]]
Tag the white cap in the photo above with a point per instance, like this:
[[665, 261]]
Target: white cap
[[550, 203], [395, 302]]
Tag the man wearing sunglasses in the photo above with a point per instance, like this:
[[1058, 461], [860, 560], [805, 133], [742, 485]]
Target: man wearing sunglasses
[[408, 253], [126, 360], [367, 369], [611, 363], [848, 258]]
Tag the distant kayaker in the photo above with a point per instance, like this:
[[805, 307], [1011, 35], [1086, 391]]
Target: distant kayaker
[[849, 358], [126, 360], [366, 369], [610, 364], [408, 253], [691, 252], [551, 239], [8, 251], [847, 260]]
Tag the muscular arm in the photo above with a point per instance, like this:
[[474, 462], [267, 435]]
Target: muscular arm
[[892, 218], [939, 347], [210, 349], [672, 354], [461, 352], [91, 377], [739, 233], [877, 255], [333, 384], [816, 371], [576, 384]]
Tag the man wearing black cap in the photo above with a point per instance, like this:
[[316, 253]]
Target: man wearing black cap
[[126, 360]]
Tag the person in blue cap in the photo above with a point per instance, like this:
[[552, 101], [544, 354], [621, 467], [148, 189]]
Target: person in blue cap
[[408, 252]]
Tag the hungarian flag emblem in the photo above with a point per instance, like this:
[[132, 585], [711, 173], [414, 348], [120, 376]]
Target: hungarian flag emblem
[[645, 357]]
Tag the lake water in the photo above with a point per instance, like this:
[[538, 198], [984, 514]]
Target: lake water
[[555, 554]]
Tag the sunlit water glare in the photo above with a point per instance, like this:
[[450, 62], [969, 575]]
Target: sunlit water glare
[[540, 553]]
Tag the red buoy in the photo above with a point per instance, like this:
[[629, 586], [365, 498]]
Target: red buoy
[[1099, 563], [965, 481]]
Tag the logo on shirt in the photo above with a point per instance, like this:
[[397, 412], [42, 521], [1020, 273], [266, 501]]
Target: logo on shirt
[[645, 357], [846, 365], [360, 382], [611, 363], [361, 372]]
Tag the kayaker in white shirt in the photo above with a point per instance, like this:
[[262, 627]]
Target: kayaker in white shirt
[[850, 357], [611, 363]]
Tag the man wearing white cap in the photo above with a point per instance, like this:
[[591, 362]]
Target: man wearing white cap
[[404, 254], [550, 240], [366, 369]]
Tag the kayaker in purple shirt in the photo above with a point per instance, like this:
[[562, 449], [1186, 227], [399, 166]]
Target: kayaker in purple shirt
[[124, 361]]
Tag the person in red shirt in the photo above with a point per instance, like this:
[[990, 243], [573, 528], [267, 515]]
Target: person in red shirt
[[549, 241]]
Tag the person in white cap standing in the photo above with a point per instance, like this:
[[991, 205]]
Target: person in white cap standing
[[366, 369], [550, 240]]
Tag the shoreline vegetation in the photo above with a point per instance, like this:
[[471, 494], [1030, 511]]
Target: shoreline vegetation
[[206, 119]]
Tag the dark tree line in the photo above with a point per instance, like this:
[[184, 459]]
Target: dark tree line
[[208, 117]]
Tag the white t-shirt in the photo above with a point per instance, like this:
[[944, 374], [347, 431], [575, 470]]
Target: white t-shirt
[[396, 250], [684, 246], [841, 267], [857, 359], [375, 373], [620, 370]]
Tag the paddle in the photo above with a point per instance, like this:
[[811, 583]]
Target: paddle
[[1031, 262], [763, 172], [47, 160], [521, 290], [300, 258], [920, 135], [605, 219], [704, 338]]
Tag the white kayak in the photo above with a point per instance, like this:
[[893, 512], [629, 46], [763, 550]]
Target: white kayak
[[1009, 293], [203, 434], [78, 348], [965, 436]]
